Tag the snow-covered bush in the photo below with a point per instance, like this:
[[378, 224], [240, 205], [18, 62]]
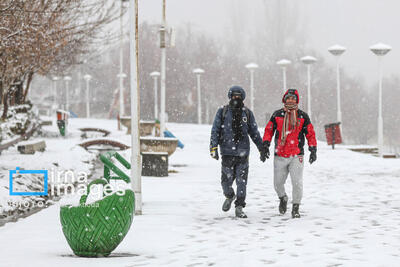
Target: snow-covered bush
[[19, 118]]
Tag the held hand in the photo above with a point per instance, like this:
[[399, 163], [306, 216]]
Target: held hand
[[266, 149], [214, 153], [263, 157], [313, 155]]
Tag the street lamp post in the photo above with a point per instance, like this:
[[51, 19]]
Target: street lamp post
[[251, 67], [198, 73], [308, 61], [67, 79], [337, 51], [163, 29], [121, 74], [87, 78], [121, 77], [136, 164], [55, 79], [380, 50], [207, 112], [155, 75], [283, 63]]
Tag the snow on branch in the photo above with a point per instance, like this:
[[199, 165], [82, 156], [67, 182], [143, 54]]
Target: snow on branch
[[48, 36]]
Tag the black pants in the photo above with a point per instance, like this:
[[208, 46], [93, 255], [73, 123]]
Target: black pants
[[235, 168]]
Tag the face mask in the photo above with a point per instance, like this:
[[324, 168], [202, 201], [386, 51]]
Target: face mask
[[236, 103]]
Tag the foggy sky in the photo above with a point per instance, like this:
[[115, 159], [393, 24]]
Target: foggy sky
[[355, 24]]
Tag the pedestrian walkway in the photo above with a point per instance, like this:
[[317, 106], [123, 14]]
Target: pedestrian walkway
[[350, 217]]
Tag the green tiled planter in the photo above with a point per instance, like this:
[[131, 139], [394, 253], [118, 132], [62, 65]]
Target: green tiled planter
[[96, 229]]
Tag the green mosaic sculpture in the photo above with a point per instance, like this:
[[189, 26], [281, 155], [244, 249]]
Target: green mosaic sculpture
[[96, 229]]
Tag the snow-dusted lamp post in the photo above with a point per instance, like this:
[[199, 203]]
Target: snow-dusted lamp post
[[207, 112], [163, 30], [252, 67], [87, 78], [308, 60], [136, 164], [198, 73], [337, 51], [155, 75], [55, 79], [121, 77], [67, 79], [283, 63], [380, 50]]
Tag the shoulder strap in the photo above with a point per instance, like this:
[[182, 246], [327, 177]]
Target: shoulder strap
[[224, 111], [247, 111], [247, 114]]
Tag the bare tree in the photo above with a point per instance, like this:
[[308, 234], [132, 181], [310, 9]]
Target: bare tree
[[47, 36]]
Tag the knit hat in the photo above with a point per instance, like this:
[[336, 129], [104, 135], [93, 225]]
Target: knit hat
[[291, 92]]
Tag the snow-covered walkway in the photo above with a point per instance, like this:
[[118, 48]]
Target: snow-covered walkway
[[350, 217]]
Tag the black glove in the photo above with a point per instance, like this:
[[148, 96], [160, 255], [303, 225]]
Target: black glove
[[264, 153], [263, 157], [313, 155], [214, 153]]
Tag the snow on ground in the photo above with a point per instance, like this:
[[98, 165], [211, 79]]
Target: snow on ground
[[62, 154], [350, 216]]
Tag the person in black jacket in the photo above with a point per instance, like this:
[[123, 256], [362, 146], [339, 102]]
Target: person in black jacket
[[232, 125]]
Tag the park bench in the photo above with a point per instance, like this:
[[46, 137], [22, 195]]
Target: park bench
[[145, 127], [147, 144], [94, 144], [93, 130], [31, 148], [46, 123], [374, 151], [390, 156], [155, 152], [158, 144], [368, 150]]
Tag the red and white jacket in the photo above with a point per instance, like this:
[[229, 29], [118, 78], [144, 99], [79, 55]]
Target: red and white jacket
[[295, 137]]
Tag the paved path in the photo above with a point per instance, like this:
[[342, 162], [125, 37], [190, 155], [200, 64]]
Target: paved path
[[350, 217]]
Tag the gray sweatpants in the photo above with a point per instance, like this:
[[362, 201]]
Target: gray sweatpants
[[284, 166]]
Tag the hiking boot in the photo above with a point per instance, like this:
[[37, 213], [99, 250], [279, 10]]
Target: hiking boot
[[239, 212], [283, 204], [227, 203], [295, 211]]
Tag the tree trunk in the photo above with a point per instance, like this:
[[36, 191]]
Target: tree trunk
[[19, 94], [11, 96], [5, 106], [1, 92], [28, 83]]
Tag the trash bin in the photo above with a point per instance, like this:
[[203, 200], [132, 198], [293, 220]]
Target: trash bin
[[62, 121], [332, 132]]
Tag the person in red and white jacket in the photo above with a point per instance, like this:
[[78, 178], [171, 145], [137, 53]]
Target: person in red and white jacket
[[291, 126]]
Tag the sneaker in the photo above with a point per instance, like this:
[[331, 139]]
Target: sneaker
[[227, 203], [295, 211], [283, 204], [239, 212]]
